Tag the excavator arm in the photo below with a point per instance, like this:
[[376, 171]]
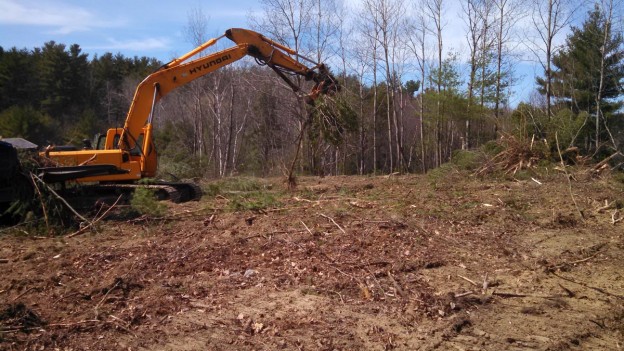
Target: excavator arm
[[129, 153], [181, 71]]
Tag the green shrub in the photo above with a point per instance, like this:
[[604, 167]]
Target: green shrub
[[437, 174], [211, 189], [234, 184], [466, 160], [144, 202], [492, 148], [254, 201], [179, 167]]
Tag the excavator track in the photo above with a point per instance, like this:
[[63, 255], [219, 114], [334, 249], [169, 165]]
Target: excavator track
[[175, 192], [85, 197], [162, 191], [188, 191]]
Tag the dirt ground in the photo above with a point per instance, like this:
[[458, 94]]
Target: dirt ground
[[403, 262]]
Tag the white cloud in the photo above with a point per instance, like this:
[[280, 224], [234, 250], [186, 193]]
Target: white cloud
[[62, 18]]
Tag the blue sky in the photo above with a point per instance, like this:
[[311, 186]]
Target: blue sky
[[132, 27], [156, 28]]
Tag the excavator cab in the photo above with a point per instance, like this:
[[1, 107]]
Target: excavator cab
[[108, 141]]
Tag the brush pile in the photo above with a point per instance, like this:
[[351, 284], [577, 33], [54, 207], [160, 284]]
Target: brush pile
[[517, 154]]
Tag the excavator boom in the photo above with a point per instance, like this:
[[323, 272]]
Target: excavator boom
[[129, 153], [179, 72]]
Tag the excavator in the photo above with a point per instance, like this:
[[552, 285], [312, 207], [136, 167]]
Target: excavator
[[126, 155]]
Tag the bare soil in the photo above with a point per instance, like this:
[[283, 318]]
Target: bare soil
[[447, 262]]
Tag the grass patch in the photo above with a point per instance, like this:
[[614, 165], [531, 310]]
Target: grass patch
[[235, 184], [440, 174], [253, 201], [618, 176], [515, 203]]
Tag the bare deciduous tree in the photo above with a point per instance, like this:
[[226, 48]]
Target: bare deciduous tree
[[549, 17], [510, 12], [196, 34], [417, 37], [434, 9]]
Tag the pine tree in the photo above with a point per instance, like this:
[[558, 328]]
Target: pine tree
[[576, 79]]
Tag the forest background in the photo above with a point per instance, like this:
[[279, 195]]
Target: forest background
[[408, 102]]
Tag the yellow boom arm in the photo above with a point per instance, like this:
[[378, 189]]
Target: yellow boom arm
[[179, 72], [129, 153]]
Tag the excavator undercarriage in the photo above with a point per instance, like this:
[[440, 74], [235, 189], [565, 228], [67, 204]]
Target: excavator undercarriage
[[175, 192]]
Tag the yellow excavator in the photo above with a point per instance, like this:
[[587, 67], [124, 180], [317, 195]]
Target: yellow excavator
[[126, 155]]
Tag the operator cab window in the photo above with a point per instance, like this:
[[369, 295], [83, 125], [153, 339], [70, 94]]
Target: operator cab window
[[136, 150]]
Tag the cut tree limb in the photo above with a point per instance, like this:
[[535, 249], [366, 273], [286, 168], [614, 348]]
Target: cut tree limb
[[331, 219], [568, 176], [607, 206], [468, 280], [62, 200], [600, 164], [600, 290], [464, 294], [84, 229]]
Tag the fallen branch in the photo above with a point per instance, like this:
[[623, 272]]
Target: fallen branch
[[568, 291], [331, 219], [122, 326], [510, 295], [397, 287], [75, 323], [43, 206], [577, 261], [506, 295], [62, 200], [485, 283], [84, 229], [177, 215], [333, 292], [588, 286], [568, 179], [468, 280], [104, 298], [607, 206], [19, 224], [464, 294], [24, 293], [306, 227], [584, 259], [264, 235], [299, 199], [615, 220], [282, 209], [600, 164]]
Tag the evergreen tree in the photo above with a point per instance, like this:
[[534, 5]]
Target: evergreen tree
[[18, 79], [576, 79]]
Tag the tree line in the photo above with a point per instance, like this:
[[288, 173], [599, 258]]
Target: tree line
[[55, 94], [408, 100]]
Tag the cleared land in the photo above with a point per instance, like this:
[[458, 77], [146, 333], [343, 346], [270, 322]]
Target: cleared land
[[435, 262]]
